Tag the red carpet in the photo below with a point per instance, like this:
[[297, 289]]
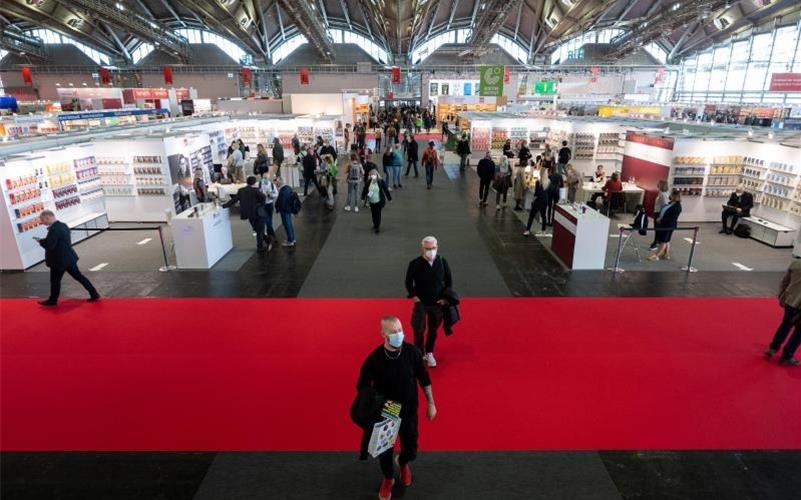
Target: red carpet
[[250, 374]]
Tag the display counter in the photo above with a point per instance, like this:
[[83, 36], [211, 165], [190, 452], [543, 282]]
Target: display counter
[[580, 236], [770, 233], [630, 191], [202, 236]]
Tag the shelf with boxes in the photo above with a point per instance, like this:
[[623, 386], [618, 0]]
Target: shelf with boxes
[[518, 133], [583, 146], [480, 139], [499, 136]]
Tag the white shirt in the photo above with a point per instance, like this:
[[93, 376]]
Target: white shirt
[[237, 160], [269, 190]]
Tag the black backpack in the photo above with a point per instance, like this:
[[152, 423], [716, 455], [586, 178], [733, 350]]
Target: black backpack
[[743, 231]]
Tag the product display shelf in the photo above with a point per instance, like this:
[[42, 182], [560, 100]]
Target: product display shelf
[[480, 139], [115, 176], [538, 139], [583, 146], [499, 136], [149, 176]]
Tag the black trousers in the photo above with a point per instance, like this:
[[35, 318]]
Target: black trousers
[[536, 208], [408, 440], [734, 218], [375, 210], [501, 192], [484, 189], [409, 165], [783, 331], [426, 316], [551, 202], [56, 273], [307, 181], [257, 222]]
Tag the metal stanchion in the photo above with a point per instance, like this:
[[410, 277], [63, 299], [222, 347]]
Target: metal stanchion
[[166, 267], [689, 267], [617, 267]]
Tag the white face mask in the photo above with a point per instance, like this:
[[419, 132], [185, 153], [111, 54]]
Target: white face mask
[[430, 255], [374, 177], [395, 339]]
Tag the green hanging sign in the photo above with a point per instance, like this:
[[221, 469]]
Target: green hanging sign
[[491, 82], [546, 87]]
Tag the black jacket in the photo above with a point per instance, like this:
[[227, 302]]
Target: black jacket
[[383, 191], [486, 169], [524, 155], [412, 149], [451, 314], [463, 147], [564, 155], [671, 217], [58, 247], [745, 202], [329, 150], [309, 164], [261, 164], [250, 200], [428, 282]]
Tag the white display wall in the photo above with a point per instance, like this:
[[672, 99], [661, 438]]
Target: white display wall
[[64, 180]]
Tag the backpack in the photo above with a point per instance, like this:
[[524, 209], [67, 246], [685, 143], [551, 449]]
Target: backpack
[[354, 173], [294, 203], [743, 231]]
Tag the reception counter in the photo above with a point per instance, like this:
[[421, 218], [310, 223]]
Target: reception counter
[[580, 236], [202, 236]]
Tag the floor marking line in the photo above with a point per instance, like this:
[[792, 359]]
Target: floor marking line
[[99, 266], [144, 241], [741, 267], [690, 240]]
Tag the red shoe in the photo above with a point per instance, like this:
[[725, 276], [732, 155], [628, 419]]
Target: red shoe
[[385, 493], [406, 475]]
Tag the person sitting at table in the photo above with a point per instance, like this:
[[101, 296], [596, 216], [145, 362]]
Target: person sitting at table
[[600, 174], [739, 205], [613, 185]]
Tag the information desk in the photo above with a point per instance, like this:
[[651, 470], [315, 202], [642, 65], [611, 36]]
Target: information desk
[[202, 236], [579, 239], [629, 191]]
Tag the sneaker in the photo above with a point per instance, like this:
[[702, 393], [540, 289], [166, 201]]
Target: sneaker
[[789, 362], [288, 243], [347, 209], [385, 493], [498, 208], [430, 361], [356, 209], [406, 475], [526, 233]]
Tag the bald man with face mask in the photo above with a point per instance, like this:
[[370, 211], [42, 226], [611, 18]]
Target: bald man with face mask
[[394, 370]]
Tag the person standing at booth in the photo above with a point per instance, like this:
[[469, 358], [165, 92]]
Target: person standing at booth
[[61, 258], [739, 205], [278, 156], [251, 208]]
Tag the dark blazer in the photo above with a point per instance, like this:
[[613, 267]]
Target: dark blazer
[[383, 192], [486, 169], [746, 203], [411, 151], [58, 247], [671, 217], [250, 200]]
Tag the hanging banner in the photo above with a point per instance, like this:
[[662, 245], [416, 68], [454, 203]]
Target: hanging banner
[[167, 75], [595, 71], [468, 88], [445, 89], [246, 76], [26, 76], [396, 75], [660, 76], [390, 95], [785, 82], [507, 74], [433, 88], [105, 76], [491, 82], [304, 76]]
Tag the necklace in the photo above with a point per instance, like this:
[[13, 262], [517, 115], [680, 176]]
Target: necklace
[[386, 353]]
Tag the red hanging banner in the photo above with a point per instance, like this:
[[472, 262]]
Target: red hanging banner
[[660, 76], [105, 76], [507, 74], [304, 76], [390, 95], [26, 76], [167, 75], [595, 70], [396, 75], [246, 77]]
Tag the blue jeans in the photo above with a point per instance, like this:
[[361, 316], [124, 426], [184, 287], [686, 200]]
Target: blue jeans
[[395, 172], [286, 220], [353, 194], [268, 221], [429, 174]]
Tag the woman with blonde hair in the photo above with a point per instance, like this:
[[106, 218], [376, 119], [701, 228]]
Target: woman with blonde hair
[[666, 221]]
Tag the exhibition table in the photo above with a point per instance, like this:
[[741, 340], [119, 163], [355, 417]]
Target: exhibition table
[[580, 235], [224, 191], [629, 190], [202, 236]]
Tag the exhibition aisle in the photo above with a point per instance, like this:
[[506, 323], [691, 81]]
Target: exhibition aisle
[[592, 374]]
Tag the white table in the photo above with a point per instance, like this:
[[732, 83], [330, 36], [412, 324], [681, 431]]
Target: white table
[[202, 236], [589, 188], [224, 191], [580, 237], [769, 232]]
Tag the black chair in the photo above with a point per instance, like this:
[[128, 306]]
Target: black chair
[[616, 201]]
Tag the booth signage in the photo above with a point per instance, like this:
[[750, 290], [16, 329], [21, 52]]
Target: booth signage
[[27, 79], [785, 82], [305, 76], [546, 87], [445, 89], [491, 81], [468, 88], [433, 88], [167, 75], [396, 75]]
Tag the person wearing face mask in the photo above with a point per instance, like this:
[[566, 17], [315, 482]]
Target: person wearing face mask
[[376, 193], [393, 371], [428, 277]]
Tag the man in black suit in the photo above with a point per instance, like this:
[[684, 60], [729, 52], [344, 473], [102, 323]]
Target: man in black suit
[[61, 258], [251, 208], [740, 204]]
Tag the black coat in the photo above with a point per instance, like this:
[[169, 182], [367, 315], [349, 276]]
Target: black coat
[[486, 169], [329, 150], [746, 203], [261, 164], [309, 165], [250, 200], [451, 314], [383, 191], [58, 247], [412, 149], [670, 219], [463, 147]]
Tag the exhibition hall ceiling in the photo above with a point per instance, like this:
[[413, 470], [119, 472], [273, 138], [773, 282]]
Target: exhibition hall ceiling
[[117, 27]]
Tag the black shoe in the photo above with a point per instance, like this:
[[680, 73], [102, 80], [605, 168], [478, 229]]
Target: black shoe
[[376, 230], [400, 186], [261, 250], [93, 298], [723, 231], [47, 303], [789, 362], [769, 353], [653, 246]]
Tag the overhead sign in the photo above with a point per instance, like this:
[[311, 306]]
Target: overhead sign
[[491, 81], [546, 87], [785, 82]]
